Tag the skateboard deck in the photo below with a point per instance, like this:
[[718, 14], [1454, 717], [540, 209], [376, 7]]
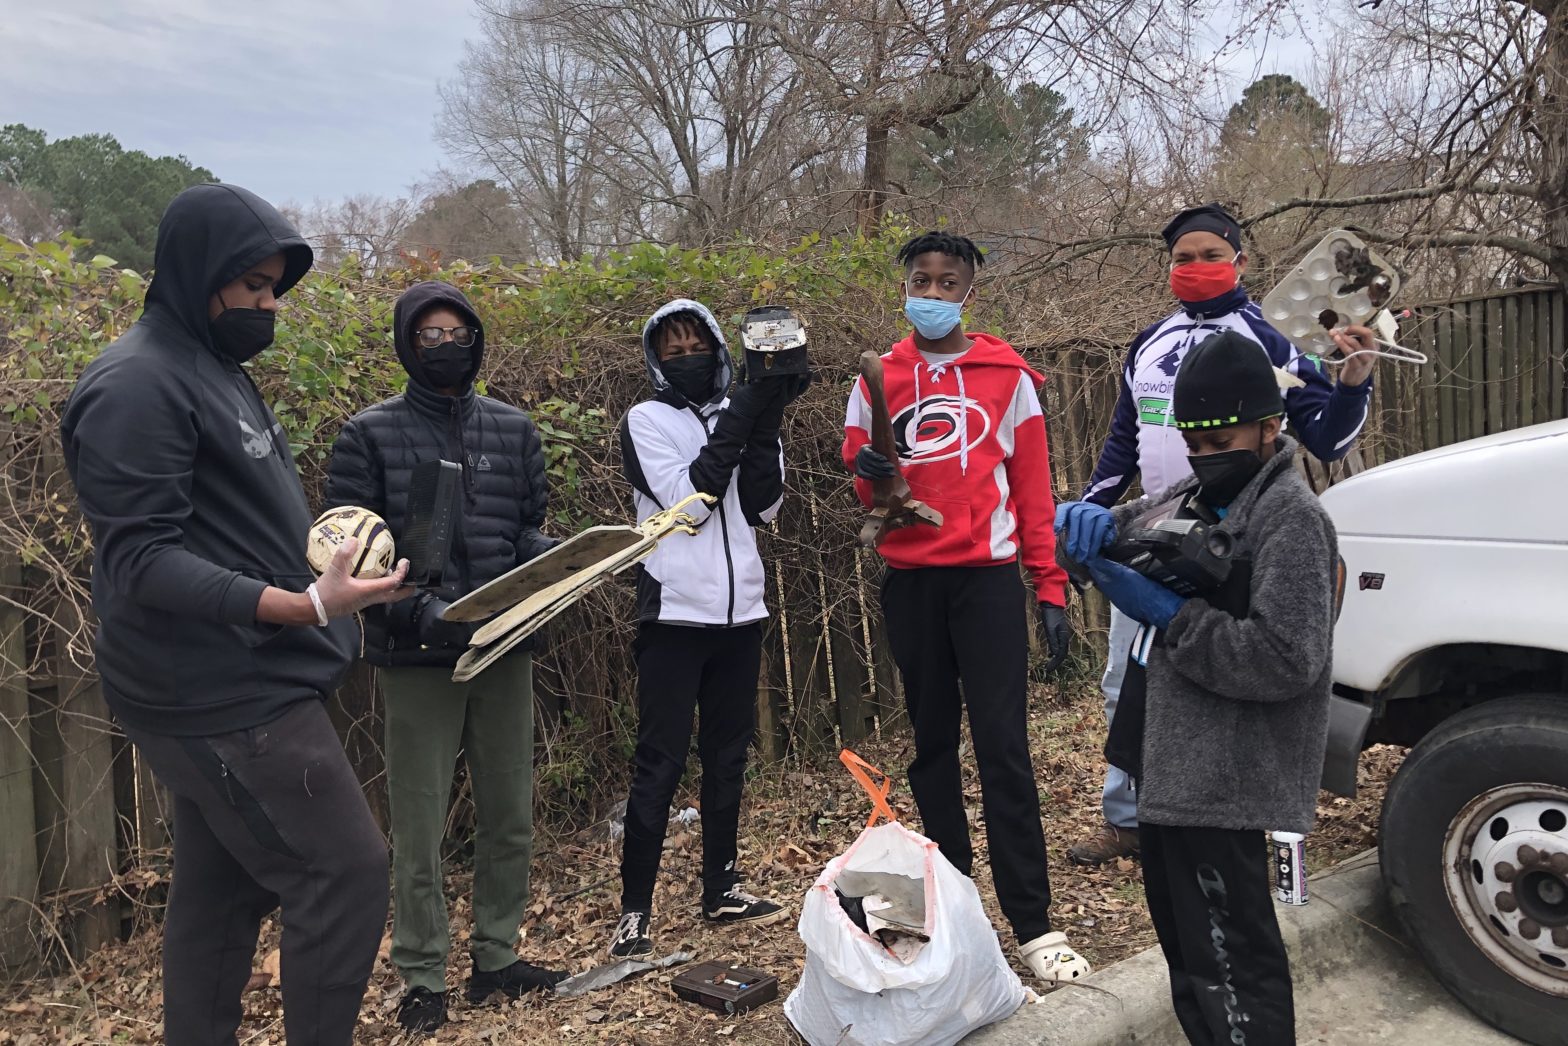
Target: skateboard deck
[[536, 592], [570, 558], [478, 658], [567, 586]]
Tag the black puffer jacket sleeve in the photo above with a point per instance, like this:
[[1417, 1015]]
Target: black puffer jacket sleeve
[[531, 541], [356, 476], [353, 477]]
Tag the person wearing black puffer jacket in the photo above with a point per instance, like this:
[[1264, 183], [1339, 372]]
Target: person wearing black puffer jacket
[[429, 719]]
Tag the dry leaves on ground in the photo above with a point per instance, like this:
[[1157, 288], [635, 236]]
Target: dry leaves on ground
[[797, 817]]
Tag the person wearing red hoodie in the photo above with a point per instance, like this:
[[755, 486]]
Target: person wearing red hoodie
[[971, 444]]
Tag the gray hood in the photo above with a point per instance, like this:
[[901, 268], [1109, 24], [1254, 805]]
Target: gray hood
[[722, 377]]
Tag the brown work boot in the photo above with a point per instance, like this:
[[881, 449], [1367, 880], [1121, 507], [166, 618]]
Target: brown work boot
[[1107, 844]]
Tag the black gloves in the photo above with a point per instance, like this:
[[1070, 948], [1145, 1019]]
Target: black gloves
[[750, 401], [434, 632], [871, 465], [794, 386], [1058, 635]]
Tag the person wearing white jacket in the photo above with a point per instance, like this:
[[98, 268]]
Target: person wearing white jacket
[[699, 601]]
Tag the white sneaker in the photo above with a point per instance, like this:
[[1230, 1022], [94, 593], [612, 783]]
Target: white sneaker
[[1052, 959]]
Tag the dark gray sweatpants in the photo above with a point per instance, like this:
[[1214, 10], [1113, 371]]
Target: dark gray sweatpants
[[266, 818]]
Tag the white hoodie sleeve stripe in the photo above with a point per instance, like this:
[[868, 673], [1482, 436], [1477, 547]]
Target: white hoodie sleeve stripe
[[664, 468]]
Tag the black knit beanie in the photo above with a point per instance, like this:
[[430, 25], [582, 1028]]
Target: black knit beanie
[[1226, 379]]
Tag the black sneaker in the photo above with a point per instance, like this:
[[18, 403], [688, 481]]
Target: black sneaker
[[512, 981], [631, 936], [737, 906], [422, 1010]]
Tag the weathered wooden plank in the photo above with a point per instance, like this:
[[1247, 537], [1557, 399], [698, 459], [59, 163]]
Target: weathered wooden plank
[[1530, 358], [1494, 362], [1558, 387], [773, 671], [813, 717], [18, 854], [84, 835], [1448, 395], [1511, 361], [1424, 338], [893, 716]]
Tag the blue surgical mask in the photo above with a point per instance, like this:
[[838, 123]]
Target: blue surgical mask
[[933, 317]]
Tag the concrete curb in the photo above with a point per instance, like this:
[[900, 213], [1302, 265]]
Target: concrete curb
[[1130, 1001]]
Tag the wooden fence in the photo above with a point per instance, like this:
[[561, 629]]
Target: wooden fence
[[84, 826]]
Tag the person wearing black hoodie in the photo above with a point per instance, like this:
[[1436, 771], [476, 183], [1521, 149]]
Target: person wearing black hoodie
[[216, 647], [441, 342]]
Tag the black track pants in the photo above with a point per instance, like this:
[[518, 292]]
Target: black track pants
[[266, 818], [683, 670], [969, 624], [1212, 903]]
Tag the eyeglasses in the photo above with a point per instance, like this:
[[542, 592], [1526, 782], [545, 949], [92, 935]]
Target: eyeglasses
[[462, 337]]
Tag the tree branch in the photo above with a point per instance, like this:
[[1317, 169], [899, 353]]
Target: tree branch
[[1529, 248], [1420, 192]]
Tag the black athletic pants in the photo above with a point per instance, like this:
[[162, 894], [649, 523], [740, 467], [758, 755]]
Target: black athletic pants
[[680, 670], [947, 624], [266, 818], [1212, 902]]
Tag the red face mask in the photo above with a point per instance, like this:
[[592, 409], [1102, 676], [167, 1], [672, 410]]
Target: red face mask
[[1203, 281]]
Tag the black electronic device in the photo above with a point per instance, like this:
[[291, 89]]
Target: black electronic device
[[434, 499], [1180, 545], [774, 339], [726, 987]]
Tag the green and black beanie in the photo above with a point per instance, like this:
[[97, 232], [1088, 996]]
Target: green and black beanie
[[1226, 379]]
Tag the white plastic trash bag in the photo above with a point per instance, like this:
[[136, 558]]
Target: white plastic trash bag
[[856, 992]]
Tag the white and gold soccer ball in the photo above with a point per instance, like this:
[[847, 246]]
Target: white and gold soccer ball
[[337, 525]]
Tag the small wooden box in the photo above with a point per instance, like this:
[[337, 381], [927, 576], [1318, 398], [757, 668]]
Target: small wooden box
[[725, 987]]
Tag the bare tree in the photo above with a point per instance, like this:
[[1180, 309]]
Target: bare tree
[[1451, 145], [367, 228], [27, 215], [667, 119]]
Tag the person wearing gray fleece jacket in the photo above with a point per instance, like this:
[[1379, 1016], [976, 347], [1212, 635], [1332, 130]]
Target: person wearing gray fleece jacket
[[1234, 687]]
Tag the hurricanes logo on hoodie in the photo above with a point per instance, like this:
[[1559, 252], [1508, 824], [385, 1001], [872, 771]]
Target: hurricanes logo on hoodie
[[938, 429]]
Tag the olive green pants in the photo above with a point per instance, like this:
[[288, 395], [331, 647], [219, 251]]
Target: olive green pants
[[429, 720]]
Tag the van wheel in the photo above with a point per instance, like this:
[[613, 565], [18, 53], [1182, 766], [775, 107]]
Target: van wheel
[[1474, 854]]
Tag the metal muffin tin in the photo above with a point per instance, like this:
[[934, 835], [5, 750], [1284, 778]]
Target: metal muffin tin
[[1341, 281]]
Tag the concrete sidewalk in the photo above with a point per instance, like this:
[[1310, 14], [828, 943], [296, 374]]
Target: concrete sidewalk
[[1356, 982]]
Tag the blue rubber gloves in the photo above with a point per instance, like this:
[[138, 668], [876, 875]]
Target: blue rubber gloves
[[1088, 529], [1133, 594]]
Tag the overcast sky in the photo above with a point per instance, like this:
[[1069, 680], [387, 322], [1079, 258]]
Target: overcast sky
[[294, 99], [297, 100]]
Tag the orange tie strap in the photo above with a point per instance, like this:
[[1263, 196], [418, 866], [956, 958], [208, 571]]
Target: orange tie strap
[[858, 769]]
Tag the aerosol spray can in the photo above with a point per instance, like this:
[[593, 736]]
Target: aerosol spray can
[[1290, 867]]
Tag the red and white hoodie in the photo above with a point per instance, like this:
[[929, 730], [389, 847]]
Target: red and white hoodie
[[971, 443]]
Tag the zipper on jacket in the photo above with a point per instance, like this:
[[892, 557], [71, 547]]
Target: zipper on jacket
[[729, 563], [228, 786], [460, 539]]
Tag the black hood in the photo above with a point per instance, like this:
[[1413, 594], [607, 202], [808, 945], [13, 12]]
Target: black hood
[[209, 236], [412, 304]]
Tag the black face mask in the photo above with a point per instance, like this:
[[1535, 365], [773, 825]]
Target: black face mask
[[692, 376], [241, 333], [447, 365], [1221, 477]]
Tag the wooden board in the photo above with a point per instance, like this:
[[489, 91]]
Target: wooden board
[[569, 588], [573, 556], [19, 949], [477, 659]]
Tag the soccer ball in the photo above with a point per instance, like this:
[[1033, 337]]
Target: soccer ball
[[337, 525]]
